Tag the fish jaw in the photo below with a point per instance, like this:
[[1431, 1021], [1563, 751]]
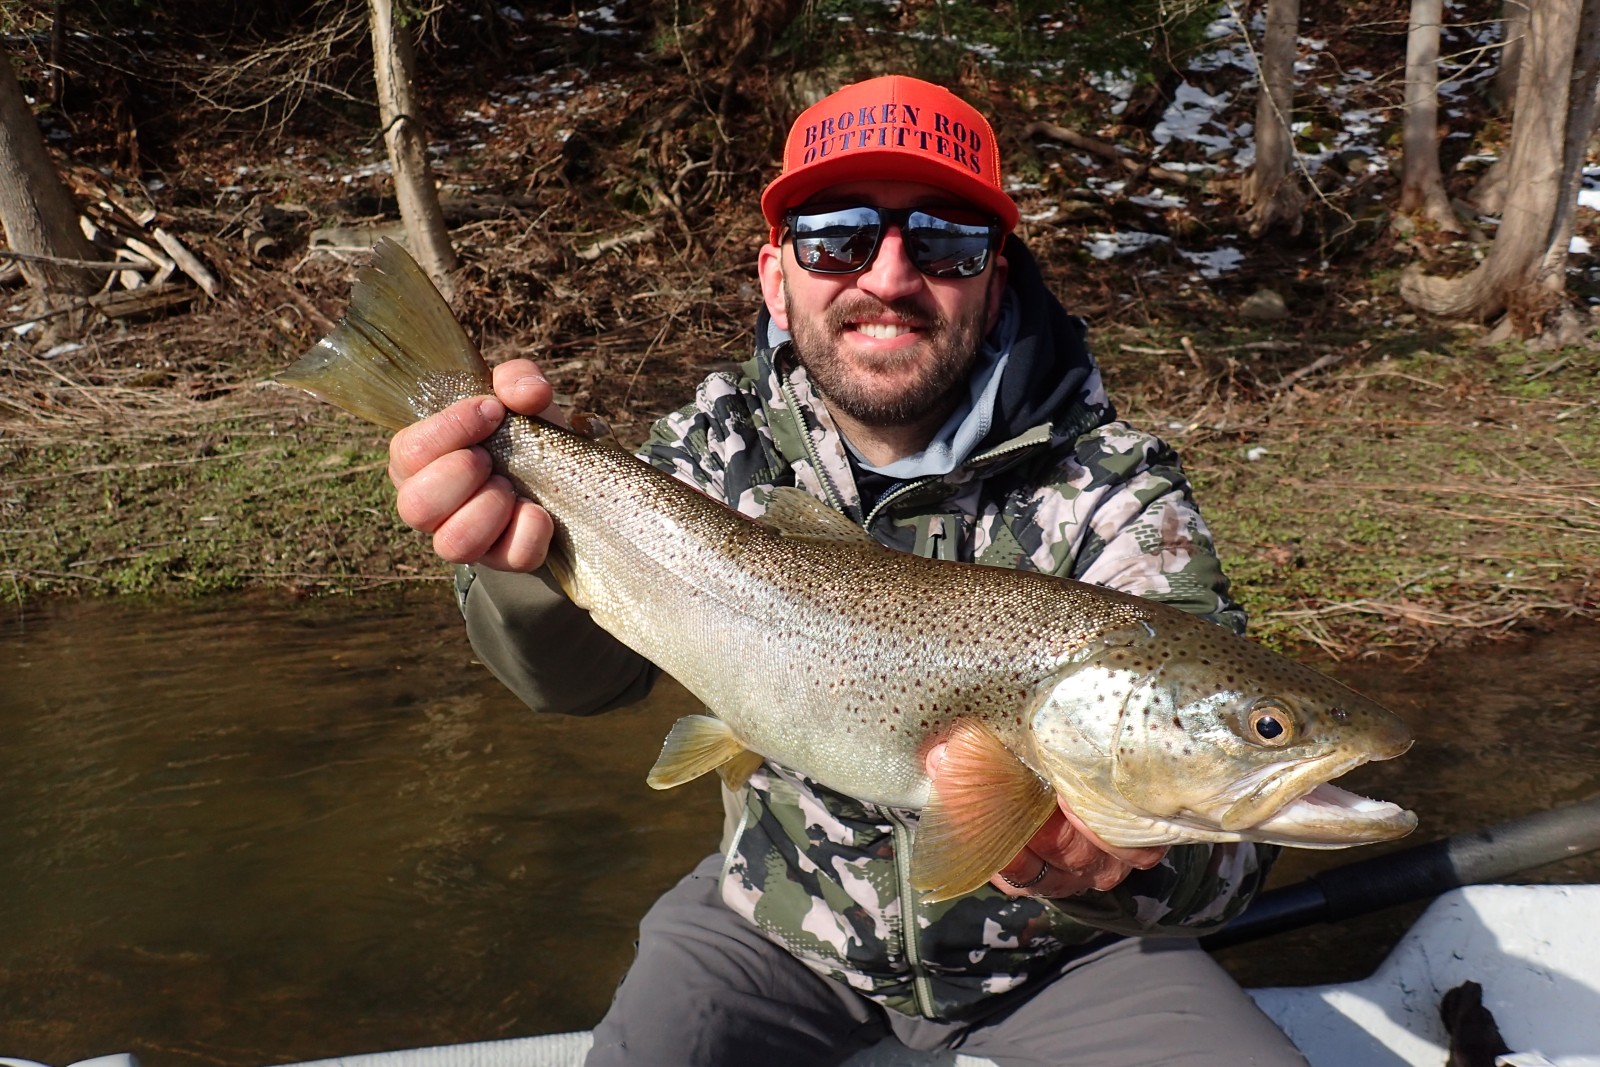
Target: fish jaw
[[1173, 730], [1331, 817]]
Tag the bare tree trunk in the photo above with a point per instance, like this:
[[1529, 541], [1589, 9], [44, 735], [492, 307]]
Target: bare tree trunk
[[1524, 269], [1272, 194], [58, 53], [36, 210], [393, 63], [1582, 103], [750, 27], [1421, 182], [1488, 195], [1513, 30]]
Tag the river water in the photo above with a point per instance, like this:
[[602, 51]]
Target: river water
[[254, 831]]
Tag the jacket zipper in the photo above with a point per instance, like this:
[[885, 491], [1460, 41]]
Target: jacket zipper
[[907, 487], [921, 985], [828, 488]]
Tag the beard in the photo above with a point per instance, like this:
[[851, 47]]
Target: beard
[[854, 386]]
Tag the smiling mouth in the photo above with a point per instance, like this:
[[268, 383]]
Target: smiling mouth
[[883, 331]]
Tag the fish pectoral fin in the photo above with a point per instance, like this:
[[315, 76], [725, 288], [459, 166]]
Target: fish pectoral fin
[[985, 807], [697, 744], [794, 513]]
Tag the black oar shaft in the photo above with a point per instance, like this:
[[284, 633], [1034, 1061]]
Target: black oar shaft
[[1423, 871]]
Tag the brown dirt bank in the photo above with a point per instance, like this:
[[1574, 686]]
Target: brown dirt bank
[[1375, 482]]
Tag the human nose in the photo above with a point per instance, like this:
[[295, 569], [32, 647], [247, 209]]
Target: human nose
[[891, 274]]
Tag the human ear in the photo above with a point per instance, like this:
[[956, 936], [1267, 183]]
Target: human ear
[[769, 266]]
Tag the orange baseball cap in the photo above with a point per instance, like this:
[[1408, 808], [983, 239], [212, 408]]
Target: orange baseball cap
[[892, 128]]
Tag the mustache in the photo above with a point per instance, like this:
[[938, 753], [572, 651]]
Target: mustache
[[908, 310]]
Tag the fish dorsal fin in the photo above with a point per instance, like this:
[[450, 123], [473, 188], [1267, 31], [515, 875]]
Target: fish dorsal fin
[[795, 513], [697, 744], [987, 805]]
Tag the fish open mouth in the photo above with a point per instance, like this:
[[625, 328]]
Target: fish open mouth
[[1330, 817], [1296, 804]]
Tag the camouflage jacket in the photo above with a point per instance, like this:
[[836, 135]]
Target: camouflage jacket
[[1058, 485], [1076, 493]]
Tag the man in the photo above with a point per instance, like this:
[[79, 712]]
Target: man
[[911, 371]]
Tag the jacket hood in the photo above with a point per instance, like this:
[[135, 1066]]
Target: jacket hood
[[1050, 378]]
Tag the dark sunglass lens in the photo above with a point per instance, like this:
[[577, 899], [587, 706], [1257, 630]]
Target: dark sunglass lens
[[835, 242], [944, 248]]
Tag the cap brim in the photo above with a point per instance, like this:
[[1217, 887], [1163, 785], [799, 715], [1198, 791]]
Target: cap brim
[[883, 164]]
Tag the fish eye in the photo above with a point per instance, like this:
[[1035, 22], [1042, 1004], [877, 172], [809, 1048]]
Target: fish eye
[[1271, 725]]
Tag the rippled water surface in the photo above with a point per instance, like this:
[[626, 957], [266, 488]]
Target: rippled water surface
[[256, 832]]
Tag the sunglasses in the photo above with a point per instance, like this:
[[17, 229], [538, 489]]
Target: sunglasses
[[843, 240]]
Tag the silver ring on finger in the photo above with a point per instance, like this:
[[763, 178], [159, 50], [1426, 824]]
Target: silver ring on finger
[[1044, 869]]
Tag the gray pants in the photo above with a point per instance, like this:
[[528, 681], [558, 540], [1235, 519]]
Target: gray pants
[[709, 990]]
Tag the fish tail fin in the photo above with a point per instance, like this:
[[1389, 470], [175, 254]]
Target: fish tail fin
[[399, 354]]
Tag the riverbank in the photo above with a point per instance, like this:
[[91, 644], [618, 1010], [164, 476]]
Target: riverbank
[[1374, 481], [1399, 491]]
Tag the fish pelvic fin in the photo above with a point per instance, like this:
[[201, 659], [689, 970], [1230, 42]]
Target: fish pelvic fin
[[795, 513], [986, 806], [559, 563], [398, 354], [697, 744]]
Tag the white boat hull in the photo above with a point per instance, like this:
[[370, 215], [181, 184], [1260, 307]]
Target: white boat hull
[[1535, 950]]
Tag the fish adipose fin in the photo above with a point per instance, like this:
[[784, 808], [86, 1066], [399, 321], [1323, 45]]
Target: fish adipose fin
[[794, 513], [987, 805], [697, 744], [398, 354]]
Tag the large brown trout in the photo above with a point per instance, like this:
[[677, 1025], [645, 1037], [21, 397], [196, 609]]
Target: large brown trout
[[816, 648]]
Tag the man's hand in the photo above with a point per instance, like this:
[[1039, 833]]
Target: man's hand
[[445, 487], [1078, 860], [1064, 858]]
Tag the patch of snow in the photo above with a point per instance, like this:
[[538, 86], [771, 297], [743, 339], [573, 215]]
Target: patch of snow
[[1159, 199], [1216, 263], [1116, 84], [1192, 117], [1107, 245]]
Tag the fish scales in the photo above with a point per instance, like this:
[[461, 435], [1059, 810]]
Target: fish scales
[[872, 646], [818, 649]]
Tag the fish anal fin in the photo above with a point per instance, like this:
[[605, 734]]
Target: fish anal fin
[[985, 807], [794, 513], [696, 744], [737, 771]]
